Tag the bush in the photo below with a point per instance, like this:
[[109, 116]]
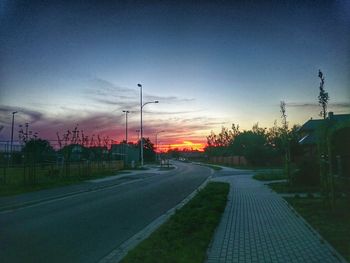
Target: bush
[[308, 174]]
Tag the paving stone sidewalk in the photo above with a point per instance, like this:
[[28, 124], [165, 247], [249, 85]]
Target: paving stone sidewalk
[[258, 226]]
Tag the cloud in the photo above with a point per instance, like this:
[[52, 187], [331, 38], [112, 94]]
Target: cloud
[[167, 99], [100, 116], [335, 105], [26, 114], [107, 93]]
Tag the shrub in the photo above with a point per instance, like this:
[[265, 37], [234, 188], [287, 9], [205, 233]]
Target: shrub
[[308, 174]]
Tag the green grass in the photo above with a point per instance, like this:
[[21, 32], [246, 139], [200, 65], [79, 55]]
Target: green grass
[[283, 187], [247, 167], [333, 225], [165, 168], [186, 235], [269, 176], [212, 166], [47, 176]]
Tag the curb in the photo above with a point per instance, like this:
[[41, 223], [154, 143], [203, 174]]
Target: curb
[[120, 252]]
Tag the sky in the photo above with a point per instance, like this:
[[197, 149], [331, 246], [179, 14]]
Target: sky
[[209, 63]]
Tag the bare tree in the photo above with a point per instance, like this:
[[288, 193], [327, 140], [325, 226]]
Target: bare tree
[[285, 139], [323, 97]]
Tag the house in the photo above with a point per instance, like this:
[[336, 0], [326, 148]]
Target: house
[[129, 153], [336, 132]]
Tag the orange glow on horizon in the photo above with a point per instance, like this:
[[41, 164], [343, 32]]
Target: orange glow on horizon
[[185, 145]]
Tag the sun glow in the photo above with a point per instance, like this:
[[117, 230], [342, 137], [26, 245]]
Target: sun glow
[[185, 145]]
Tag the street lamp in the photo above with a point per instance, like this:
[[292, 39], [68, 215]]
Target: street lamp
[[126, 136], [157, 144], [126, 125], [13, 120], [141, 128], [138, 134]]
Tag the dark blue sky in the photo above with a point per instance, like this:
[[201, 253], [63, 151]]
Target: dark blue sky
[[209, 63]]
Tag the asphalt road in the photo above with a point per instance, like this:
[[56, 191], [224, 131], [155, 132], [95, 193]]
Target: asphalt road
[[86, 227]]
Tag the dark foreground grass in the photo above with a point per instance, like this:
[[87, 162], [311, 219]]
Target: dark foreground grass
[[332, 224], [283, 187], [212, 166], [186, 235], [46, 182], [269, 176]]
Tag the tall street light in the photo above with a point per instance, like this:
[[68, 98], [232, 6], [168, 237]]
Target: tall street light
[[126, 136], [138, 134], [141, 128], [126, 125], [13, 120], [157, 144]]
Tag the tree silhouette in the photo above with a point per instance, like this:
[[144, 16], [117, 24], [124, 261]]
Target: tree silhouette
[[285, 139], [323, 97]]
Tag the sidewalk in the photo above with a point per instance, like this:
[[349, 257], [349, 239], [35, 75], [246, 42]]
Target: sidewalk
[[258, 226]]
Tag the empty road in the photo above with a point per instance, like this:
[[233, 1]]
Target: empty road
[[85, 227]]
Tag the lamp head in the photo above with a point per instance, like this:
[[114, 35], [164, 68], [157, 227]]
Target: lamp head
[[139, 85]]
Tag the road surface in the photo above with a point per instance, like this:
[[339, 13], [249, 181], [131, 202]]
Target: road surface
[[85, 227]]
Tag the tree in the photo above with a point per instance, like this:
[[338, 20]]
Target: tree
[[149, 153], [253, 146], [323, 97], [220, 144], [38, 150], [285, 140]]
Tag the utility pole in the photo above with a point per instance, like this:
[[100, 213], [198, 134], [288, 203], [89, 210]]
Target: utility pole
[[141, 107], [157, 157], [141, 130], [126, 125], [126, 136], [13, 120], [27, 124]]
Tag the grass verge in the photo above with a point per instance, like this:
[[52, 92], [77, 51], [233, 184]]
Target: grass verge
[[186, 235], [16, 184], [212, 166], [333, 225], [283, 187], [269, 176]]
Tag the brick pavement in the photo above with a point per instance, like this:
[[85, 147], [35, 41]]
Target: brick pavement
[[258, 226]]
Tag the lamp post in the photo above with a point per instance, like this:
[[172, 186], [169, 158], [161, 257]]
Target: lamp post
[[157, 144], [126, 136], [13, 120], [141, 128], [126, 125], [138, 134]]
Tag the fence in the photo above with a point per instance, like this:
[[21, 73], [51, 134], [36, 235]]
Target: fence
[[49, 172], [229, 160]]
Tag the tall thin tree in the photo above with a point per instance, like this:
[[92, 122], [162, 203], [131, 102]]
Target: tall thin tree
[[323, 96], [285, 139]]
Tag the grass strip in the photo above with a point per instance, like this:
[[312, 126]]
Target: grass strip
[[185, 237], [332, 224], [283, 187], [212, 166], [47, 182], [269, 176]]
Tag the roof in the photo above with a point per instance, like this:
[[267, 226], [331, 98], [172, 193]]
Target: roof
[[308, 139], [312, 125], [341, 117]]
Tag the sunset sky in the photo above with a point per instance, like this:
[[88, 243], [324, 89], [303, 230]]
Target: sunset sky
[[209, 63]]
